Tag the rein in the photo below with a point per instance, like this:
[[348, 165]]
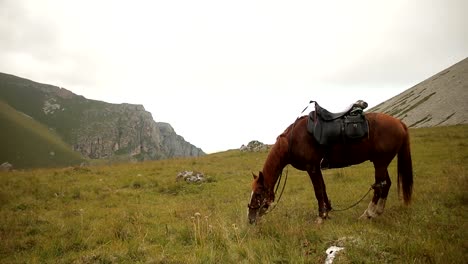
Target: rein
[[276, 190], [281, 174]]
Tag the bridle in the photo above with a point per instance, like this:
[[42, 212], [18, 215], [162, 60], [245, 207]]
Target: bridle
[[261, 204]]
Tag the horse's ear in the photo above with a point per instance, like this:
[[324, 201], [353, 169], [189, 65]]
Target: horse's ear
[[260, 176], [254, 176]]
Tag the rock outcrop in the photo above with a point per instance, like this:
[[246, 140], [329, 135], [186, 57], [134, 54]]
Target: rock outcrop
[[254, 146], [6, 166], [191, 176]]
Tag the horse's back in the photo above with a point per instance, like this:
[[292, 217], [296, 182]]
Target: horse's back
[[386, 136], [386, 133], [381, 121]]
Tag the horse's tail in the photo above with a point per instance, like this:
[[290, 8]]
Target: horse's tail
[[405, 168]]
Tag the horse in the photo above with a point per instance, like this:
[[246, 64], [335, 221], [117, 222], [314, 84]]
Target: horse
[[387, 137]]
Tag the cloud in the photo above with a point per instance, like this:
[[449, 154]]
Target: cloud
[[236, 58], [401, 44], [23, 32]]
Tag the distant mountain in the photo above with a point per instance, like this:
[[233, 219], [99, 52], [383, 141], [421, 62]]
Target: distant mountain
[[440, 100], [97, 130]]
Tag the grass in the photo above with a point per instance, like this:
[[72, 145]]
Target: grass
[[139, 213]]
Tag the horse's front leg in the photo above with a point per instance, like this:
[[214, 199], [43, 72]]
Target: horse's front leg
[[323, 203]]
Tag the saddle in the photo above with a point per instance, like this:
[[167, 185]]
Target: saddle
[[329, 128]]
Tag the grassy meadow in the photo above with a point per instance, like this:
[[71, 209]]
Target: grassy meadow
[[139, 213]]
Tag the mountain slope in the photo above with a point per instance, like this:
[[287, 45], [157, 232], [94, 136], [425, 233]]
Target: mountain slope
[[26, 143], [98, 130], [438, 101]]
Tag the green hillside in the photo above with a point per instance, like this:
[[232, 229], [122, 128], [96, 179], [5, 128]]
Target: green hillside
[[26, 143], [139, 213], [28, 97]]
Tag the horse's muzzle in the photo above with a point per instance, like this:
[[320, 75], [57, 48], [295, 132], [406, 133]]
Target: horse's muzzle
[[253, 214], [253, 218]]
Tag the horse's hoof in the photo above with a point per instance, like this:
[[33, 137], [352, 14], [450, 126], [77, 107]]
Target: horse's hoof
[[370, 212], [319, 220], [366, 216]]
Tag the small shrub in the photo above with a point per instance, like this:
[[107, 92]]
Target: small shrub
[[136, 185], [76, 194]]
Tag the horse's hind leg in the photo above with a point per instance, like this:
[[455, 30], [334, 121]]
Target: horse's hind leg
[[381, 187]]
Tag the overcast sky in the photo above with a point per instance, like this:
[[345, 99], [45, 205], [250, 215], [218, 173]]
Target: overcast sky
[[223, 73]]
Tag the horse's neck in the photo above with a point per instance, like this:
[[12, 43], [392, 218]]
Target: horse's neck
[[275, 162]]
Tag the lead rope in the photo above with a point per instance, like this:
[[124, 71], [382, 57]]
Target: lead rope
[[373, 187], [355, 204]]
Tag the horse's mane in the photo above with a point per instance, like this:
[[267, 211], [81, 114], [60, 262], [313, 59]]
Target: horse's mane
[[280, 148], [288, 129]]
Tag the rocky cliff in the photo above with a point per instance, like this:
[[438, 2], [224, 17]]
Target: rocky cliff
[[131, 131], [171, 142], [95, 129]]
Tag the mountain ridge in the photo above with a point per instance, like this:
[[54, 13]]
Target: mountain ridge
[[440, 100]]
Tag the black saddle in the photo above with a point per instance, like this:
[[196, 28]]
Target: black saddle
[[329, 128], [351, 110]]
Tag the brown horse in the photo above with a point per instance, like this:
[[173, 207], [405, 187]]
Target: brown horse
[[387, 137]]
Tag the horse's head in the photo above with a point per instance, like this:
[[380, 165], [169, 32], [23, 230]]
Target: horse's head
[[260, 199]]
